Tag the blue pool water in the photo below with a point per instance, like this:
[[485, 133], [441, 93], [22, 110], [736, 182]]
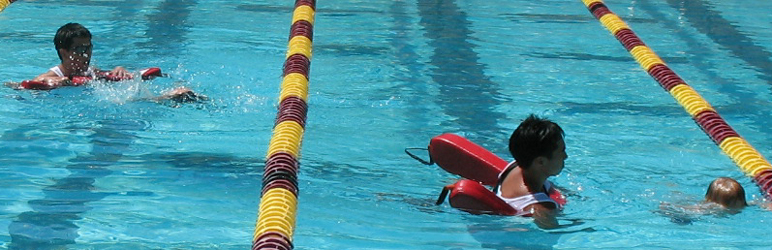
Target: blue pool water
[[88, 168]]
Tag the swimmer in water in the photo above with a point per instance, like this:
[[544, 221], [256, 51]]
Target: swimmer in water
[[725, 196], [73, 46]]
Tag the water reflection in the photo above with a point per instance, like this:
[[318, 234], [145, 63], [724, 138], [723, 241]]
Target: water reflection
[[168, 27], [410, 70], [50, 224], [459, 74], [704, 17], [707, 19]]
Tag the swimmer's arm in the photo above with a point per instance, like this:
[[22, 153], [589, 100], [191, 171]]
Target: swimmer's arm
[[51, 78], [545, 215]]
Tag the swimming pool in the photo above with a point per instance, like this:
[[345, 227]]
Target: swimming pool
[[88, 169]]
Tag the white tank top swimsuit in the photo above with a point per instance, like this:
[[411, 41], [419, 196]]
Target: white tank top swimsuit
[[59, 73], [519, 203]]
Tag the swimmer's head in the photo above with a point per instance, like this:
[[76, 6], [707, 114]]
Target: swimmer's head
[[726, 192], [73, 45], [65, 39], [187, 97]]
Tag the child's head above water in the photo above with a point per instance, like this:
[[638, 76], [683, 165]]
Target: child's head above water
[[66, 35], [726, 192]]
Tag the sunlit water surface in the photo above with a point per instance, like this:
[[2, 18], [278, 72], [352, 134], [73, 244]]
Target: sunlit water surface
[[95, 168]]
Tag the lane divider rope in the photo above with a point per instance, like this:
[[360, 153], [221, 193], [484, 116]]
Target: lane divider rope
[[5, 3], [277, 212], [738, 149]]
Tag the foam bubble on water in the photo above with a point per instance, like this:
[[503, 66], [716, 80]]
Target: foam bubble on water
[[120, 92]]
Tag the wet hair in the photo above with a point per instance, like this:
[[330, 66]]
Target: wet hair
[[188, 97], [533, 138], [726, 192], [67, 33]]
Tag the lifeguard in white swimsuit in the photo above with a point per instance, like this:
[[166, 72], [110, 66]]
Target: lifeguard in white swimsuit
[[522, 202], [73, 46], [58, 71], [538, 147]]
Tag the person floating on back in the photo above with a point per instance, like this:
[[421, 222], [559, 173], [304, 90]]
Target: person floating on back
[[540, 152]]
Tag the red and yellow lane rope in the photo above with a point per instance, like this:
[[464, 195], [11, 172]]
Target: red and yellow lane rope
[[739, 150], [5, 3], [278, 204]]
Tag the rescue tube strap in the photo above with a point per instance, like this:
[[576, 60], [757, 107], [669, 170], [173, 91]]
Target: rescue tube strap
[[425, 162], [444, 194], [503, 175]]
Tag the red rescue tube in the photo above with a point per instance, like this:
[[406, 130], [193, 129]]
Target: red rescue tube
[[460, 156], [145, 74], [472, 197], [37, 85], [150, 73]]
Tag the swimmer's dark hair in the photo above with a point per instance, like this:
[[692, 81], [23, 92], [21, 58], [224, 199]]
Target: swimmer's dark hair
[[533, 138], [67, 33], [188, 97]]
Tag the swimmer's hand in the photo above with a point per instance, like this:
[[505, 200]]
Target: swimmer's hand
[[182, 95], [120, 73], [13, 85]]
